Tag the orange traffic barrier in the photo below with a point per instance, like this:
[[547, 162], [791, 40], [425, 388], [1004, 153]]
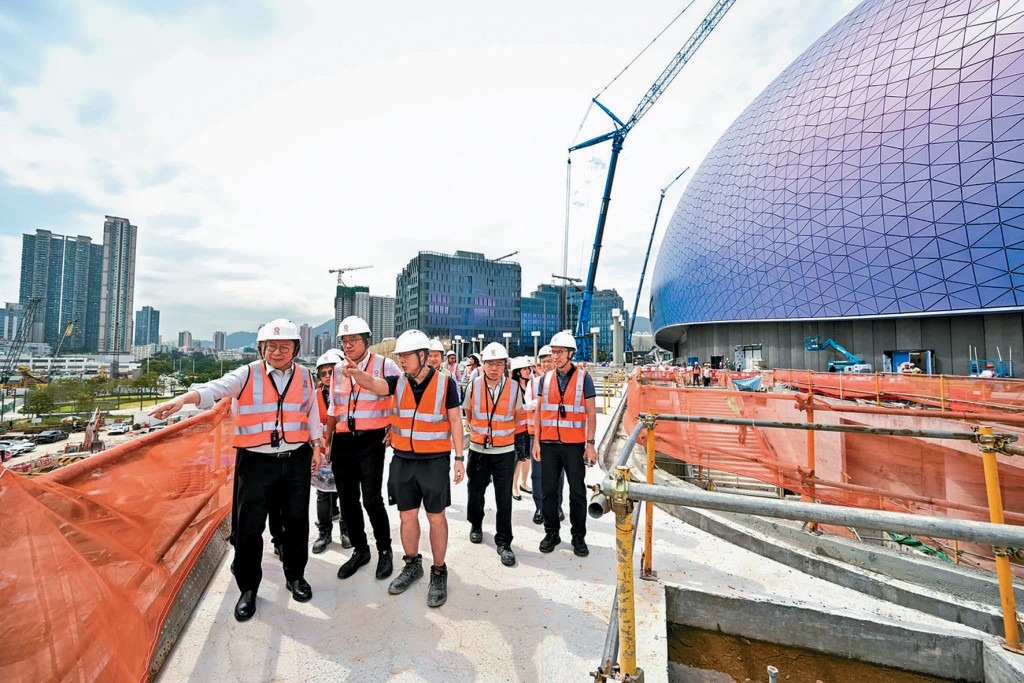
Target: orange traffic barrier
[[94, 554]]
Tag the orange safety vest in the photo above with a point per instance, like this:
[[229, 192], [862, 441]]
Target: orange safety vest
[[261, 410], [453, 370], [572, 428], [523, 424], [530, 414], [322, 404], [370, 410], [422, 428], [493, 421]]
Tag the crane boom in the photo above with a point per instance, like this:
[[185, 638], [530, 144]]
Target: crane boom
[[7, 365], [342, 271], [618, 138]]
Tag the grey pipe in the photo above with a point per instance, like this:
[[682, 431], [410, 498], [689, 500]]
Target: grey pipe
[[627, 448], [937, 527], [773, 675]]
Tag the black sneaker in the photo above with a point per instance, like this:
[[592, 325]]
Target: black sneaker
[[412, 570], [437, 593], [508, 558], [358, 559], [579, 546], [385, 567], [538, 517], [321, 542], [549, 543], [476, 535]]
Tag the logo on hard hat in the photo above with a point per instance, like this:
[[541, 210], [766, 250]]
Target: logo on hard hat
[[345, 327], [277, 330]]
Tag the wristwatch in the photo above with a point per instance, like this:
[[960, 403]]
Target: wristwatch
[[591, 442], [459, 458]]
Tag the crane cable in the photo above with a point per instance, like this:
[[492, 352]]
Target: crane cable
[[626, 68]]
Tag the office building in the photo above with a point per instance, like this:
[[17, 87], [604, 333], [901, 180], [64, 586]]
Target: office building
[[306, 347], [550, 309], [119, 245], [463, 294], [184, 339], [378, 311], [147, 326], [219, 341]]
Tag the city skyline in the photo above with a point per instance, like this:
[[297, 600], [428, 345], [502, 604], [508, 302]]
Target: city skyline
[[87, 131]]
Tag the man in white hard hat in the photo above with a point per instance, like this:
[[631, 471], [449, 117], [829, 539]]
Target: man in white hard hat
[[425, 423], [277, 420], [566, 424], [493, 406], [530, 406], [327, 506], [435, 358], [356, 439]]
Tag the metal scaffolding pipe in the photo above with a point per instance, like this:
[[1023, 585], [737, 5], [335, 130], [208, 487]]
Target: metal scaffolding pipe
[[936, 527], [822, 427], [627, 448]]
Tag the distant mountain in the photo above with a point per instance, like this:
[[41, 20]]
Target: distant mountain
[[643, 325], [326, 326], [237, 340]]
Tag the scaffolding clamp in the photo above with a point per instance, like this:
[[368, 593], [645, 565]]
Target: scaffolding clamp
[[650, 419], [621, 503]]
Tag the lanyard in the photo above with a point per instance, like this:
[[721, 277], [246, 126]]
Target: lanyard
[[279, 415], [353, 397], [494, 409]]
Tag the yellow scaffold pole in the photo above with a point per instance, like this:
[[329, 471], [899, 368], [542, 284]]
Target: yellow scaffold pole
[[646, 571], [623, 508]]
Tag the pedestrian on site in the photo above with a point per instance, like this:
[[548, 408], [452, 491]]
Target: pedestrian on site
[[435, 358], [566, 421], [357, 437], [522, 373], [452, 366], [472, 367], [327, 506], [530, 406], [493, 407], [696, 374], [706, 374], [425, 423], [989, 371], [277, 421]]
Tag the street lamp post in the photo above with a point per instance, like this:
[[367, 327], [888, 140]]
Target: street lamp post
[[595, 331], [507, 336], [480, 337], [458, 341], [535, 334]]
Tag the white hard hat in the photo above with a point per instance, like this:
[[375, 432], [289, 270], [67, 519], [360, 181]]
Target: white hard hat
[[436, 345], [411, 340], [279, 328], [544, 351], [521, 362], [495, 351], [353, 325], [330, 357], [451, 352], [564, 340]]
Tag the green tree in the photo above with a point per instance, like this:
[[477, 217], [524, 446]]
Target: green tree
[[39, 401]]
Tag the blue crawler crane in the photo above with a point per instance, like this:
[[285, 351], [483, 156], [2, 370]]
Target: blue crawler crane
[[853, 363]]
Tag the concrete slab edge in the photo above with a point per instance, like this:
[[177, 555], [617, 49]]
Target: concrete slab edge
[[1002, 666]]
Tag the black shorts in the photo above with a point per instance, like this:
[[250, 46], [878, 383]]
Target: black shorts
[[522, 446], [412, 482]]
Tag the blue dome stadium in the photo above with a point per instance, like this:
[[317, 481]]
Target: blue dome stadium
[[881, 174]]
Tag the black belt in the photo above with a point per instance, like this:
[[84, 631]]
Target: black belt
[[362, 432], [280, 455]]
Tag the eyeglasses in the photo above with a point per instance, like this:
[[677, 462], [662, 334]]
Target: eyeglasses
[[559, 352], [351, 341], [326, 372], [279, 348]]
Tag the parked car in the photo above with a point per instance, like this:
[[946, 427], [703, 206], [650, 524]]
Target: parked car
[[21, 447], [119, 429], [51, 436]]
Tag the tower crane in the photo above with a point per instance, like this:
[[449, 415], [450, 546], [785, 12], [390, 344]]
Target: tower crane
[[342, 271], [618, 138], [67, 335], [647, 256], [8, 363]]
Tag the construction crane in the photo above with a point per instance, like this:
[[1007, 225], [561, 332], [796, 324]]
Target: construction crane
[[342, 271], [618, 138], [8, 364], [853, 362], [574, 282], [502, 258], [68, 331], [647, 256]]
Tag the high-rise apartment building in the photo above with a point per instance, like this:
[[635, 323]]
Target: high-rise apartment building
[[65, 273], [184, 339], [119, 244], [462, 294], [377, 311], [219, 341], [11, 316], [306, 339], [147, 326]]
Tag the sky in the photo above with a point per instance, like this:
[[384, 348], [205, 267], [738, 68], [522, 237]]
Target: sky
[[256, 144]]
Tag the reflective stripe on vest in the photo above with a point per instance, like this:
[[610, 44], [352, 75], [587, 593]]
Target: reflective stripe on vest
[[500, 427], [370, 411], [531, 414], [423, 429], [257, 408], [573, 427]]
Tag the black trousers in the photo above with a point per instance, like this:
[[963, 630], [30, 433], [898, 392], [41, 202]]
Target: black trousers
[[326, 507], [265, 481], [273, 513], [557, 458], [358, 464], [481, 468]]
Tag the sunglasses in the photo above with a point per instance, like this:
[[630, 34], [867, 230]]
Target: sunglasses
[[326, 373]]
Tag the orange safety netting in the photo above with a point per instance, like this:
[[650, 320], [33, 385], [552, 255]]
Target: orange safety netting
[[94, 554], [901, 474]]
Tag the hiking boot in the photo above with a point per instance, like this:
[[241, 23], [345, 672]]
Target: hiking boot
[[321, 542], [437, 593], [412, 570], [346, 543], [385, 567], [508, 558], [358, 559], [476, 535], [549, 542], [579, 546], [538, 517]]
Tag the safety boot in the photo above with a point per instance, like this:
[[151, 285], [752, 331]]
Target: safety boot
[[412, 570], [321, 542], [437, 593]]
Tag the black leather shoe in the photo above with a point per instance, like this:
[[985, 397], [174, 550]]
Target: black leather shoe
[[549, 543], [321, 542], [579, 546], [561, 515], [476, 535], [358, 559], [508, 558], [300, 590], [385, 564], [246, 606], [538, 517]]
